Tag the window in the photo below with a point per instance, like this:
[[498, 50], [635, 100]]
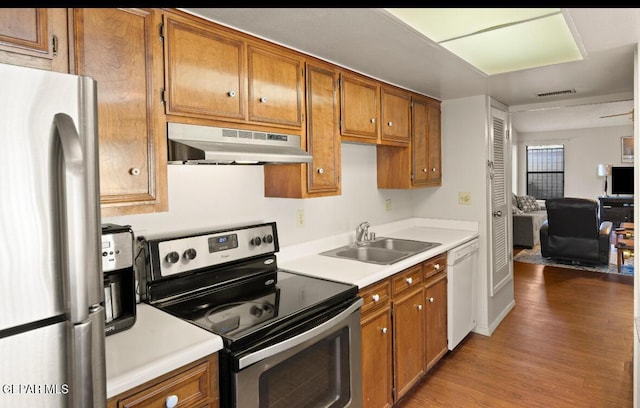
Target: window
[[545, 171]]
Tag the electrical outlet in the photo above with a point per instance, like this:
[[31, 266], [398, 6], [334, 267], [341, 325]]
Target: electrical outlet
[[464, 198], [300, 218], [387, 205]]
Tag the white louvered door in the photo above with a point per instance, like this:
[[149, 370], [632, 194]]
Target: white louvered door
[[501, 267]]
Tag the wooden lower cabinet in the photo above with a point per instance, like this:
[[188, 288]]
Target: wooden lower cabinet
[[436, 319], [404, 330], [194, 385], [408, 341], [377, 380]]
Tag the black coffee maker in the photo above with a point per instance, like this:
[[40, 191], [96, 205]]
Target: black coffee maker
[[119, 277]]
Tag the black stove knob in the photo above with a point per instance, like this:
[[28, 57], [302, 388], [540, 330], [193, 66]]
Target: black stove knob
[[190, 254], [172, 257], [268, 238], [256, 241]]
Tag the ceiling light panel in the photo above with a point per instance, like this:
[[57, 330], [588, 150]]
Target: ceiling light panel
[[497, 40]]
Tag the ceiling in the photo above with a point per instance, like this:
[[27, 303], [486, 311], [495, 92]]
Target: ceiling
[[372, 41]]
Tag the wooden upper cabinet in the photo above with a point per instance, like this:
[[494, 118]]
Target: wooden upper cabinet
[[418, 164], [322, 176], [204, 71], [420, 142], [275, 86], [396, 116], [323, 137], [34, 37], [121, 50], [435, 144], [359, 109]]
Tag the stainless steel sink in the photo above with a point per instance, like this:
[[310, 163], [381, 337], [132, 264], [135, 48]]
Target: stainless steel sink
[[383, 251], [403, 245]]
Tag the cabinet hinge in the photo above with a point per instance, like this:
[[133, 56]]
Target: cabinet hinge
[[508, 134], [54, 45], [162, 31], [163, 96]]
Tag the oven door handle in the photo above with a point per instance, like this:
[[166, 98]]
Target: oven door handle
[[299, 339]]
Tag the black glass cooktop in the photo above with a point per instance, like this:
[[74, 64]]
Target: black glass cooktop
[[260, 303]]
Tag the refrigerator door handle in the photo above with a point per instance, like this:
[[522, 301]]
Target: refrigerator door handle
[[73, 212], [88, 370]]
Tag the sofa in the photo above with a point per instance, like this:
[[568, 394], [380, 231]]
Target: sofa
[[528, 217]]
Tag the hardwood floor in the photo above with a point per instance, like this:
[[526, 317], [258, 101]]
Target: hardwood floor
[[568, 342]]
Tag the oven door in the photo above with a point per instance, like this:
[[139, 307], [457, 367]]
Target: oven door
[[318, 368]]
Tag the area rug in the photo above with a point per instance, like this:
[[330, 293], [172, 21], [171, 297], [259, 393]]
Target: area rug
[[533, 256]]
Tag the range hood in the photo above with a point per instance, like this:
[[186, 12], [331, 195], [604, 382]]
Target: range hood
[[195, 144]]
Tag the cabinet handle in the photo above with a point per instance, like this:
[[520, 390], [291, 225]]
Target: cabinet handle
[[436, 267], [409, 280], [419, 307], [134, 171], [433, 169], [384, 330], [430, 300], [171, 401], [424, 170], [373, 120], [320, 170], [375, 297], [231, 93], [390, 123], [263, 99]]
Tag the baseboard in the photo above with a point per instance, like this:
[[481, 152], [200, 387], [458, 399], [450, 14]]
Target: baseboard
[[487, 331]]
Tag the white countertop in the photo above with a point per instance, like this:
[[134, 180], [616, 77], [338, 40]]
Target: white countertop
[[156, 344], [304, 258], [159, 342]]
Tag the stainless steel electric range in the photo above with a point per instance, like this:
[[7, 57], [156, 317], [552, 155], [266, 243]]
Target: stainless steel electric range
[[290, 340]]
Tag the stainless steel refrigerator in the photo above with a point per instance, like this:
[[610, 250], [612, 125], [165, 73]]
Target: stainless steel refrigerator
[[51, 318]]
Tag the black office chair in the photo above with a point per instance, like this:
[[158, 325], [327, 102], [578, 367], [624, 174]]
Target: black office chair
[[573, 232]]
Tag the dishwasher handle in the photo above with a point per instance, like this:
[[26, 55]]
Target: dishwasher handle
[[464, 251]]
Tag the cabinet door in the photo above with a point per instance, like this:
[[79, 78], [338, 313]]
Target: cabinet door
[[436, 320], [323, 138], [359, 108], [34, 37], [435, 157], [204, 71], [121, 50], [275, 86], [408, 341], [420, 142], [396, 116], [376, 359], [194, 385]]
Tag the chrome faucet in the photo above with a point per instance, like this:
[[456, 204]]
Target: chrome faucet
[[362, 233]]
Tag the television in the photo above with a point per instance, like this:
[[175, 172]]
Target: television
[[622, 180]]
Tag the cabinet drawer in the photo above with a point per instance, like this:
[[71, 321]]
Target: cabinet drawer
[[434, 265], [192, 386], [408, 279], [376, 295]]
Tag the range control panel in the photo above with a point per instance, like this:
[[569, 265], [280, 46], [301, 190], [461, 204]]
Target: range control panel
[[186, 253]]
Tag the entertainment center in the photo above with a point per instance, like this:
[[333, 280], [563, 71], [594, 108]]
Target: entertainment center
[[616, 209]]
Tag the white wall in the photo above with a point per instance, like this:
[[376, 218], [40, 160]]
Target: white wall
[[464, 169], [206, 197], [584, 149]]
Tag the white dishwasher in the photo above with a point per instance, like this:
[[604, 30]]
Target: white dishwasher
[[462, 268]]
